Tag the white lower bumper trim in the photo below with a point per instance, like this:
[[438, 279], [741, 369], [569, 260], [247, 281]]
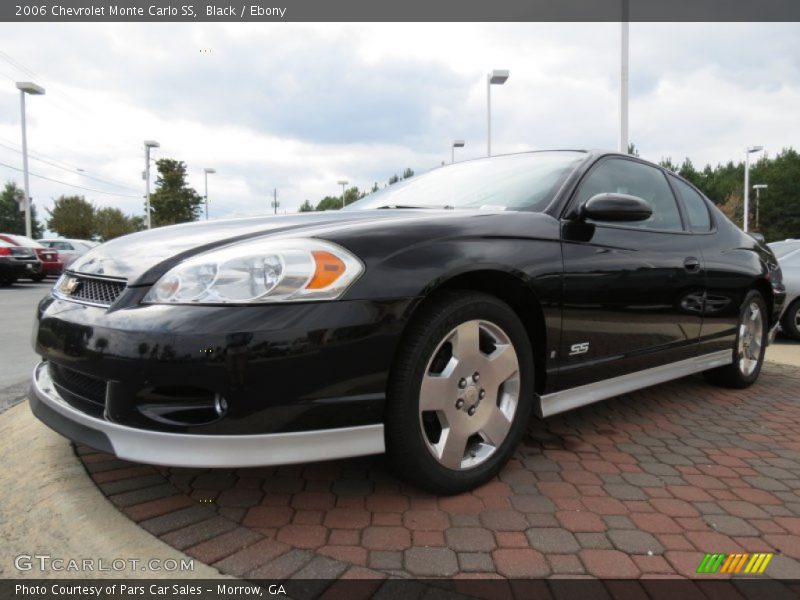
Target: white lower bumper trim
[[189, 450]]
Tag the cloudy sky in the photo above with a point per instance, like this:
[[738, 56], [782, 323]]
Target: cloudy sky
[[299, 106]]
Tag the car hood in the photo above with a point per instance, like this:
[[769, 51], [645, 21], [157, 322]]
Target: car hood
[[141, 258]]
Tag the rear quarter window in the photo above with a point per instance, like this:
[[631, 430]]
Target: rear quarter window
[[695, 205]]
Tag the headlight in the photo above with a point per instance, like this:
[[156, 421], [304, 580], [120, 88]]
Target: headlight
[[259, 272]]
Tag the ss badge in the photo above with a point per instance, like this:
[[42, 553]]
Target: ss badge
[[581, 348]]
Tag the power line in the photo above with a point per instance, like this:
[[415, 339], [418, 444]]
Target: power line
[[69, 169], [80, 187]]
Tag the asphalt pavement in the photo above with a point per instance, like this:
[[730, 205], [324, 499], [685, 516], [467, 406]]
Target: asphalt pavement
[[17, 358]]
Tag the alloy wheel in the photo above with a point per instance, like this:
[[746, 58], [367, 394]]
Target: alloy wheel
[[469, 395], [751, 336]]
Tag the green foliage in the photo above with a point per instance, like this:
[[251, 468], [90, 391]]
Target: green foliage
[[72, 217], [633, 150], [173, 201], [112, 222], [408, 173], [330, 203], [12, 219], [306, 207], [393, 179]]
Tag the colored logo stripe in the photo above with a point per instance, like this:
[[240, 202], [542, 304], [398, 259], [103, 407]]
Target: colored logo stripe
[[740, 562]]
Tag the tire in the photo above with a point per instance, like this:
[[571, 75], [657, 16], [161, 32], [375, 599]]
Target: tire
[[8, 281], [37, 278], [790, 323], [438, 366], [748, 348]]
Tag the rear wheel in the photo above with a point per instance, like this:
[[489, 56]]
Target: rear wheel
[[460, 392], [749, 346], [790, 323], [8, 281]]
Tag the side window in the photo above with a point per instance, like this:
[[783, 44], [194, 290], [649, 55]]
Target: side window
[[618, 175], [696, 208]]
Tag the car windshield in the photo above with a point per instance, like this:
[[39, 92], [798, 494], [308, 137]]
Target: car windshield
[[513, 182]]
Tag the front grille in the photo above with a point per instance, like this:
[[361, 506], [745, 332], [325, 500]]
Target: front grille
[[94, 291], [82, 391]]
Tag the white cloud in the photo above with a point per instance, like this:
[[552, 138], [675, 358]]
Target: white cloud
[[299, 106]]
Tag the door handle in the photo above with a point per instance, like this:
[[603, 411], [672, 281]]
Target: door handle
[[691, 264]]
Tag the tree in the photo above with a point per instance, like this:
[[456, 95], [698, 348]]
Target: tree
[[408, 173], [173, 201], [330, 203], [633, 150], [306, 207], [12, 216], [393, 179], [72, 217], [112, 222]]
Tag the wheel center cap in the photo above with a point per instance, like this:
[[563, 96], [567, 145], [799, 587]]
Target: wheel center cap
[[471, 395]]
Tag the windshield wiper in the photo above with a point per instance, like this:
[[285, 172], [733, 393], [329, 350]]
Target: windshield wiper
[[392, 206]]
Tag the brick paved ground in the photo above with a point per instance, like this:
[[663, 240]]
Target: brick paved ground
[[641, 485]]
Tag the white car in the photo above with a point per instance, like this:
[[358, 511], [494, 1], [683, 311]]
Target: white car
[[788, 255], [68, 249]]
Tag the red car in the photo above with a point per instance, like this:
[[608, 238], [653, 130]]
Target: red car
[[51, 261]]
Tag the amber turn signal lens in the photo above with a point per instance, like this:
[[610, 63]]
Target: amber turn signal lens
[[329, 269]]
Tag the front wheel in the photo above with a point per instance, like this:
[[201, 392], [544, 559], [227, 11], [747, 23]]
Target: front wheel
[[749, 346], [460, 392]]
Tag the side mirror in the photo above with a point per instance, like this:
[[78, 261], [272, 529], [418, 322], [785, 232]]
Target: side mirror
[[616, 207]]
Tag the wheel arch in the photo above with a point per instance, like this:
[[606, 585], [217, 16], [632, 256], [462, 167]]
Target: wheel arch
[[763, 287], [514, 291]]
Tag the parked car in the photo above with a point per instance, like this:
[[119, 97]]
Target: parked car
[[17, 262], [430, 319], [68, 249], [788, 254], [51, 263]]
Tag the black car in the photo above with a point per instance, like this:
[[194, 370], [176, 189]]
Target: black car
[[430, 319], [17, 262]]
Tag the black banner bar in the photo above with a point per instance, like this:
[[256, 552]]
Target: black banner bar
[[402, 589], [398, 11]]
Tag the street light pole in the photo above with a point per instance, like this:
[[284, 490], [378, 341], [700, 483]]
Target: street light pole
[[623, 82], [758, 187], [342, 182], [147, 145], [496, 77], [206, 172], [747, 154], [456, 144], [26, 87]]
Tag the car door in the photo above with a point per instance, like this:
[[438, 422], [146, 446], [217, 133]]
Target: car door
[[633, 292]]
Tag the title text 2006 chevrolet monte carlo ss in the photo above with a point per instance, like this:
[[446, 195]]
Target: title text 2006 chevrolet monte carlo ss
[[431, 319]]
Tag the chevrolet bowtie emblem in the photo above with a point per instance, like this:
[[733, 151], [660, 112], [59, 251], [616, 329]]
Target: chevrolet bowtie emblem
[[69, 285]]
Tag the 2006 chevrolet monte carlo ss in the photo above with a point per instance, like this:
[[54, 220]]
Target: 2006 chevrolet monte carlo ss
[[431, 319]]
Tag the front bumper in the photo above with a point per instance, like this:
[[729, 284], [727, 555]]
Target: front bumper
[[188, 450]]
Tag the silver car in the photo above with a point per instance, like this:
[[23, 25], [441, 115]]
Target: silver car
[[788, 254]]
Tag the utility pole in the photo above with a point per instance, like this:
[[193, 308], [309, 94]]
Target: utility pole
[[275, 202]]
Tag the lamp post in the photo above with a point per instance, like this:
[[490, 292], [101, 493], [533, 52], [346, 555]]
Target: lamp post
[[758, 187], [26, 87], [147, 145], [342, 182], [747, 154], [206, 172], [623, 81], [456, 144], [496, 77]]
